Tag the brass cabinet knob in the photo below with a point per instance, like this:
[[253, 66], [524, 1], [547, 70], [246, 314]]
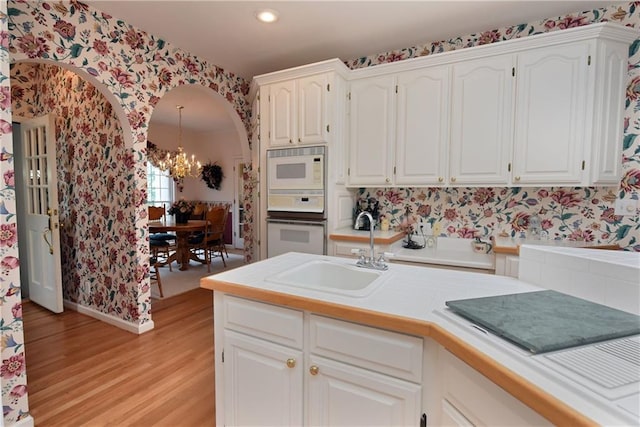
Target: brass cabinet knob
[[299, 140], [440, 179], [290, 141], [313, 370], [387, 180], [517, 178], [291, 363], [453, 179]]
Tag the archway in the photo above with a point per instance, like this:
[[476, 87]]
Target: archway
[[212, 133], [92, 154]]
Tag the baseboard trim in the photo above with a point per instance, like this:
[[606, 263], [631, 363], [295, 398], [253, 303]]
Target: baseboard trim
[[25, 422], [122, 324]]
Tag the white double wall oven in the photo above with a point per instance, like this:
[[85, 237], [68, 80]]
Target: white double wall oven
[[296, 200]]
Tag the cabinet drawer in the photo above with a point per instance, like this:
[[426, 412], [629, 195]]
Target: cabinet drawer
[[382, 351], [277, 324]]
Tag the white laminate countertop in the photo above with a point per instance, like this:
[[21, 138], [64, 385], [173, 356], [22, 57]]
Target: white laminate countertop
[[420, 294]]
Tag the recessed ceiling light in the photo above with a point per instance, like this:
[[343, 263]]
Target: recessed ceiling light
[[267, 15]]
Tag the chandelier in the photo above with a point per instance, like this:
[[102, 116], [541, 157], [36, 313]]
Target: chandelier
[[178, 164]]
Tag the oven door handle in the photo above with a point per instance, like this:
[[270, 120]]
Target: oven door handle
[[297, 222]]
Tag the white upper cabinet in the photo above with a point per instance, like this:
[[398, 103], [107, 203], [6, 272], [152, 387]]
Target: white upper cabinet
[[313, 126], [282, 107], [481, 121], [610, 66], [541, 110], [299, 111], [422, 134], [371, 132], [551, 114], [399, 128]]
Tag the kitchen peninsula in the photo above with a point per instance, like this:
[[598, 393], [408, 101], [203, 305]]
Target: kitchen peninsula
[[311, 354]]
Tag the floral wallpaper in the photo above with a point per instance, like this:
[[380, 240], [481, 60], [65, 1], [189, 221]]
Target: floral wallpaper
[[580, 213], [250, 183], [13, 374], [134, 70], [94, 181]]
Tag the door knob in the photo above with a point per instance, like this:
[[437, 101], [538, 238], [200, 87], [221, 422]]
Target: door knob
[[313, 370], [453, 179], [291, 363]]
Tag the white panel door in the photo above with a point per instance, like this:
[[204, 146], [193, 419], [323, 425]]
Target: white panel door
[[262, 382], [282, 101], [40, 187], [343, 395], [372, 118], [422, 126], [482, 121], [312, 110], [551, 114]]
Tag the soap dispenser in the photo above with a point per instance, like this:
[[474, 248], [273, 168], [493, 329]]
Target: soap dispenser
[[535, 227]]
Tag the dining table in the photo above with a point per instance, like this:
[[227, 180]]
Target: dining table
[[183, 230]]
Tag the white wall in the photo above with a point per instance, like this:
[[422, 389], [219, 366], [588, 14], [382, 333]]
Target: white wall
[[220, 147]]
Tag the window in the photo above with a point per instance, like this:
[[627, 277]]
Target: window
[[159, 186]]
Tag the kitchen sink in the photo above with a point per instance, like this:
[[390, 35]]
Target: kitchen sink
[[322, 275]]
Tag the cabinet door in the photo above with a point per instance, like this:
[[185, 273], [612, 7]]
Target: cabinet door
[[263, 382], [422, 126], [551, 116], [343, 395], [452, 417], [312, 110], [372, 115], [482, 121], [282, 118], [611, 76]]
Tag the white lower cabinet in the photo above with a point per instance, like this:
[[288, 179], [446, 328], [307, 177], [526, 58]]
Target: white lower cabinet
[[343, 395], [470, 399], [278, 366], [336, 373], [265, 386], [363, 376], [452, 417]]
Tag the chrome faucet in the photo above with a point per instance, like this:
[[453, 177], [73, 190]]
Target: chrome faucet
[[370, 262]]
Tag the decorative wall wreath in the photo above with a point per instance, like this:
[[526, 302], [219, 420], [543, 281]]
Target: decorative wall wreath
[[212, 175]]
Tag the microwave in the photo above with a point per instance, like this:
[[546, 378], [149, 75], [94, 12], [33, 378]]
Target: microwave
[[296, 179]]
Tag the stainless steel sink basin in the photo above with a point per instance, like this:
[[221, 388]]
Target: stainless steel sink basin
[[331, 277]]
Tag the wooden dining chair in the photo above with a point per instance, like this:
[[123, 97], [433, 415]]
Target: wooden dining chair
[[154, 274], [198, 211], [212, 244], [161, 244]]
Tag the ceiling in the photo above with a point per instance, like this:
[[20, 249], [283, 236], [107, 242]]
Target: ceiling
[[227, 34]]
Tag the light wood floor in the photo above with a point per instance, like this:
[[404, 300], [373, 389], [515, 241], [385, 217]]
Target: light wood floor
[[81, 371]]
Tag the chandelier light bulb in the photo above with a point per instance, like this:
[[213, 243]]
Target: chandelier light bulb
[[178, 164]]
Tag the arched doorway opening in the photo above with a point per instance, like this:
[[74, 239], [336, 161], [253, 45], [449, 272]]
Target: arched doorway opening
[[214, 134], [91, 149]]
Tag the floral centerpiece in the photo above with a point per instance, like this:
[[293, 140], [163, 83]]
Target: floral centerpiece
[[182, 210]]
